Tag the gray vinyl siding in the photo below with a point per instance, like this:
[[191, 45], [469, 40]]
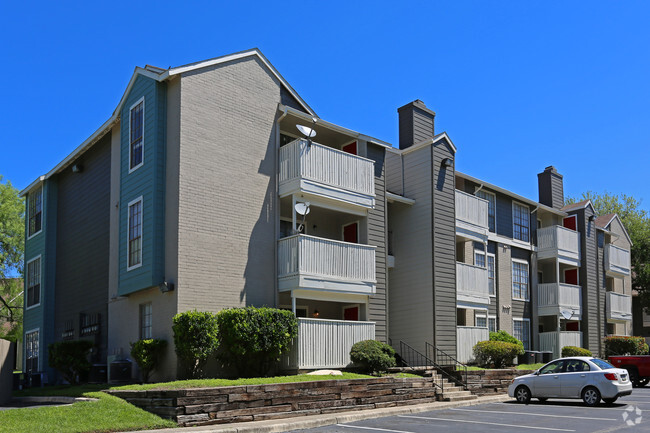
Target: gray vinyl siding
[[551, 190], [287, 99], [444, 249], [82, 247], [394, 181], [415, 124], [377, 236]]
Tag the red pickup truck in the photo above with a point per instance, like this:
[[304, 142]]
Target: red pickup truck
[[638, 366]]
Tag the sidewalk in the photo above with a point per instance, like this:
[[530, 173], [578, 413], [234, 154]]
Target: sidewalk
[[312, 421]]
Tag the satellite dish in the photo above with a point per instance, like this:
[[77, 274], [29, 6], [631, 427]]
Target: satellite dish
[[302, 208], [566, 314], [306, 131]]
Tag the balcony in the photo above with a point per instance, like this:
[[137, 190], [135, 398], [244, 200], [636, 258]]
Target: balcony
[[327, 173], [617, 261], [555, 341], [466, 339], [471, 217], [559, 242], [471, 286], [311, 263], [552, 298], [323, 343], [618, 307]]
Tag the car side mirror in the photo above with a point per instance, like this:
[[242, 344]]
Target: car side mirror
[[536, 373]]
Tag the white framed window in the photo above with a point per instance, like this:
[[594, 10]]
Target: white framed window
[[491, 263], [33, 276], [35, 212], [480, 320], [145, 321], [136, 135], [492, 323], [479, 258], [520, 222], [520, 280], [521, 331], [32, 350], [492, 208], [134, 235]]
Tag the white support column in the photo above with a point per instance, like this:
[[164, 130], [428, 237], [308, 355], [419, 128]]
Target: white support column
[[293, 303], [293, 216]]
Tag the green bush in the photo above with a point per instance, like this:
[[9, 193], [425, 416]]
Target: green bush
[[372, 356], [495, 353], [253, 339], [575, 351], [147, 354], [625, 346], [70, 358], [507, 338], [196, 339]]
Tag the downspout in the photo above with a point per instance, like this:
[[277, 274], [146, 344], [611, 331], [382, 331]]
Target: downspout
[[277, 217]]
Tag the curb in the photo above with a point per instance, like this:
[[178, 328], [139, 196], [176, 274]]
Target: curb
[[51, 399], [313, 421]]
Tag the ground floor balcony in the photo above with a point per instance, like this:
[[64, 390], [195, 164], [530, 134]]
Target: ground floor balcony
[[618, 307], [466, 339], [555, 341], [471, 286], [553, 298], [323, 343]]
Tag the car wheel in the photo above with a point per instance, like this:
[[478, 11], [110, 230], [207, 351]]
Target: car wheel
[[643, 382], [591, 396], [634, 377], [522, 394], [610, 400], [542, 399]]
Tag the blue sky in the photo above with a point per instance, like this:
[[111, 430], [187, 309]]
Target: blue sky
[[517, 86]]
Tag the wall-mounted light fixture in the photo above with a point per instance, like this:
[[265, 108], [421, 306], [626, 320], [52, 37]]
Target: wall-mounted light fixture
[[316, 314], [592, 217], [166, 287], [77, 168], [447, 162]]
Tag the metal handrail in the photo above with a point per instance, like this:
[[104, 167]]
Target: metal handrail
[[412, 358], [445, 362]]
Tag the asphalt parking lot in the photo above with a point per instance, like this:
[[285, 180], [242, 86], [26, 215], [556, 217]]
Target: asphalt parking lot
[[628, 414]]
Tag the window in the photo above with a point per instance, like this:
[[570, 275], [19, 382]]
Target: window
[[35, 211], [33, 282], [519, 280], [492, 206], [520, 222], [492, 324], [479, 259], [521, 331], [31, 351], [481, 321], [135, 234], [136, 133], [491, 274], [145, 321]]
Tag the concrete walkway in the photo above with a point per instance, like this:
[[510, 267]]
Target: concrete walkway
[[312, 421]]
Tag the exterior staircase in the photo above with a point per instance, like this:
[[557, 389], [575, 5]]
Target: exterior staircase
[[450, 391]]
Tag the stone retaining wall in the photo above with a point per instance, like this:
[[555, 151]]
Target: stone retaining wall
[[485, 382], [202, 406]]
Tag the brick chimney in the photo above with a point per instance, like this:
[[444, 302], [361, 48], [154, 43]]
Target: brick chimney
[[415, 123], [551, 189]]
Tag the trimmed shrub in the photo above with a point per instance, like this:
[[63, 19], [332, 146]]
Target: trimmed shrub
[[70, 358], [253, 339], [625, 346], [196, 339], [372, 356], [495, 353], [575, 351], [147, 354], [507, 338]]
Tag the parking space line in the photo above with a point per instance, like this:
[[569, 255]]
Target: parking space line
[[550, 404], [535, 414], [483, 422], [372, 428]]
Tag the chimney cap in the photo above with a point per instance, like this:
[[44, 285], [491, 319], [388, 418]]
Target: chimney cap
[[417, 104]]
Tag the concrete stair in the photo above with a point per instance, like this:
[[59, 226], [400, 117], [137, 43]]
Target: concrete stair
[[450, 391]]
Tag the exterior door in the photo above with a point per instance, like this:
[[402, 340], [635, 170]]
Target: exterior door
[[570, 222], [351, 233], [350, 148], [351, 313], [571, 276]]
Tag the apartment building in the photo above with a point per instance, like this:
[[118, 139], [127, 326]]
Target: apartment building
[[207, 189]]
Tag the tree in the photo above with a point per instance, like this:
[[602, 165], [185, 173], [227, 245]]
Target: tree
[[12, 248], [637, 223]]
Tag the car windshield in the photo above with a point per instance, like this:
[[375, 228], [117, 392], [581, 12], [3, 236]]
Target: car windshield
[[604, 365]]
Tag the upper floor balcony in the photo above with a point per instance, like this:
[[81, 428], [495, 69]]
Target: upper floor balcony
[[471, 217], [559, 242], [618, 306], [327, 173], [471, 285], [312, 263], [553, 298], [617, 261]]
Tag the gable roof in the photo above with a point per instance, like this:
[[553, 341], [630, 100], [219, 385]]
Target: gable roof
[[604, 220], [579, 205]]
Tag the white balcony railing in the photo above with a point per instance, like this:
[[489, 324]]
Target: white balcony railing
[[617, 261], [471, 285], [618, 306], [466, 339], [323, 343], [558, 241], [555, 341], [317, 263], [471, 216], [552, 298], [327, 172]]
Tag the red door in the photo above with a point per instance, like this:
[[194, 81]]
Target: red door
[[350, 148], [351, 233], [570, 222], [571, 276], [351, 313], [573, 326]]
